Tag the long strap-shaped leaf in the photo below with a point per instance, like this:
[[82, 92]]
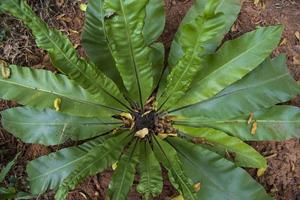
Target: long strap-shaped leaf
[[40, 88], [48, 172], [95, 43], [169, 158], [123, 177], [269, 84], [277, 123], [193, 38], [96, 160], [151, 182], [219, 178], [228, 64], [230, 10], [5, 170], [49, 127], [64, 55], [124, 21], [227, 146], [154, 21]]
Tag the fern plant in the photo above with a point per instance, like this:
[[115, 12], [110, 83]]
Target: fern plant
[[132, 113]]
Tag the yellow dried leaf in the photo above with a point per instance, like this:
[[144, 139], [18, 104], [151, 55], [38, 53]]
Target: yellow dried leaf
[[260, 172], [57, 104], [180, 197], [283, 42], [197, 186], [127, 116], [254, 128], [297, 34], [114, 166], [234, 28], [250, 118], [83, 7], [173, 134], [256, 2], [296, 60], [162, 135], [5, 70], [83, 195], [142, 133]]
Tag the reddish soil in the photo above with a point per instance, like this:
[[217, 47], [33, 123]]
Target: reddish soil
[[282, 179]]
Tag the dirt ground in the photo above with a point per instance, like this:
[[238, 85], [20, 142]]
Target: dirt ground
[[282, 179]]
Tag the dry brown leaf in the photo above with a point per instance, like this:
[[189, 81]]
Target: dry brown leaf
[[256, 2], [297, 34], [197, 186], [254, 128], [60, 2], [296, 60], [283, 42]]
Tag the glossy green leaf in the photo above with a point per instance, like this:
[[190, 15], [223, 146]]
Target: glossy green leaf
[[64, 56], [151, 182], [193, 36], [154, 21], [219, 178], [158, 56], [124, 21], [39, 89], [95, 43], [230, 10], [169, 158], [5, 170], [228, 64], [49, 127], [48, 172], [276, 123], [97, 159], [227, 146], [123, 176], [269, 84]]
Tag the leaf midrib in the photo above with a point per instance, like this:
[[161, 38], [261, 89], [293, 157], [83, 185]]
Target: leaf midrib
[[70, 61], [55, 93], [131, 52], [220, 68]]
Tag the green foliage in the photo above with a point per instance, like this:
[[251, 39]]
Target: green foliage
[[11, 192], [125, 107]]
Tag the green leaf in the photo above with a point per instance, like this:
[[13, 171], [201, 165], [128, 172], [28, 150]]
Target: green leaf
[[97, 159], [192, 37], [242, 154], [94, 40], [228, 64], [64, 56], [277, 123], [269, 84], [230, 10], [7, 168], [219, 178], [48, 172], [124, 22], [154, 21], [169, 158], [7, 193], [40, 88], [123, 177], [49, 127], [157, 57], [151, 182]]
